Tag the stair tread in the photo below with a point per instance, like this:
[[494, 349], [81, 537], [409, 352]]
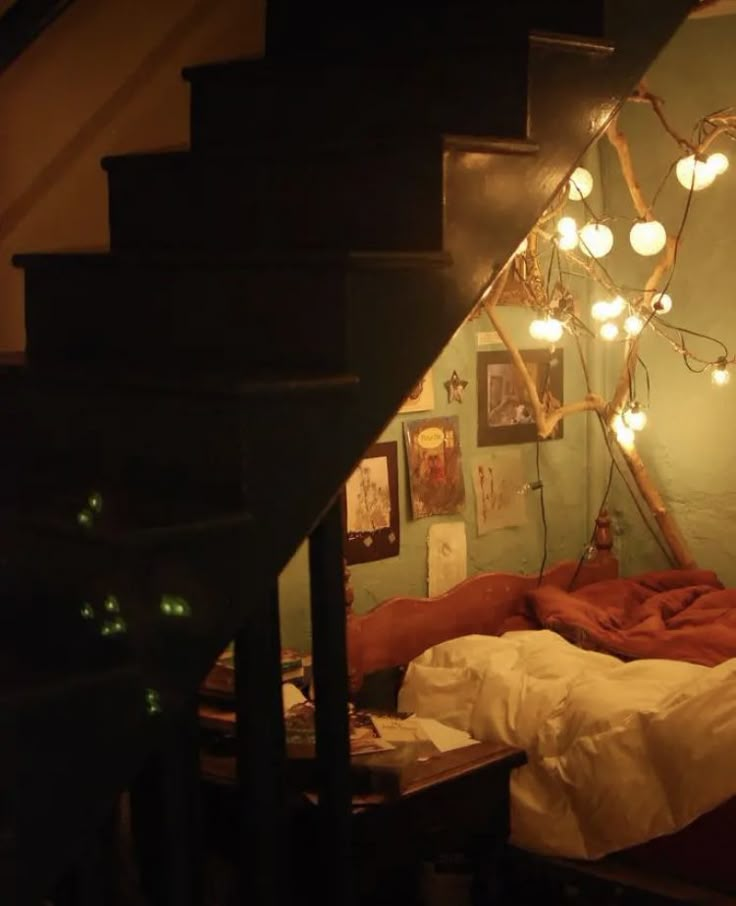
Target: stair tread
[[199, 384], [206, 258]]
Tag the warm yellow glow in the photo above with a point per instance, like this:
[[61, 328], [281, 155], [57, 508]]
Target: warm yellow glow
[[580, 185], [553, 330], [617, 306], [617, 423], [609, 330], [601, 311], [635, 418], [625, 436], [568, 233], [717, 163], [694, 174], [661, 303], [633, 325], [596, 239], [538, 329], [720, 375], [648, 237], [522, 247]]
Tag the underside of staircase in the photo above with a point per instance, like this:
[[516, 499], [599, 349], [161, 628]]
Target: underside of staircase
[[190, 403]]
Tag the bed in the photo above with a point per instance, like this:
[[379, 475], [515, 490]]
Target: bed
[[674, 727]]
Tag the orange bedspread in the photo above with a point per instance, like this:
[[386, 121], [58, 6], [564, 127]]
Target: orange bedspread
[[684, 615]]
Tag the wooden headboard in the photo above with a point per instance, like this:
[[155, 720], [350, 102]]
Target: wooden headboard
[[401, 628]]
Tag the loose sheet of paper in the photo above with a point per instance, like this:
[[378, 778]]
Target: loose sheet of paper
[[447, 556], [497, 480]]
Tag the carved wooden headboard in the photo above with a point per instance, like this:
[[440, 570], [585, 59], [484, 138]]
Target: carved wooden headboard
[[401, 628]]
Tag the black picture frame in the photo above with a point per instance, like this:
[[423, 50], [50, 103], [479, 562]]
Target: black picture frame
[[504, 416], [372, 489]]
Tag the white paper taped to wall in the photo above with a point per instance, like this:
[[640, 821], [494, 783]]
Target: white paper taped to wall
[[447, 556]]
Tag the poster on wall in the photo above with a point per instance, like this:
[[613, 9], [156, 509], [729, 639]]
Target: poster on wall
[[434, 462], [447, 556], [505, 414], [371, 506], [421, 397], [497, 481]]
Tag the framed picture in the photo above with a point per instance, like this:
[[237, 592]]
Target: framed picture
[[371, 506], [434, 461], [504, 413]]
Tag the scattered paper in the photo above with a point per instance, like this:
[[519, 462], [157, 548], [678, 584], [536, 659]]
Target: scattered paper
[[447, 556], [444, 738], [497, 480]]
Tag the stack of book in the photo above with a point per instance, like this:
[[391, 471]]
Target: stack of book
[[219, 683]]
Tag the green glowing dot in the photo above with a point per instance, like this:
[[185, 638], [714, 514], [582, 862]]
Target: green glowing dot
[[174, 606], [111, 604], [87, 612], [85, 519], [106, 629], [94, 501], [153, 702]]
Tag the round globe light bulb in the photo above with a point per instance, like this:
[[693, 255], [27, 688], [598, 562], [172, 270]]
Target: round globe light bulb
[[694, 174], [522, 247], [635, 418], [633, 325], [596, 239], [717, 163], [616, 306], [625, 436], [617, 423], [609, 331], [601, 311], [553, 330], [538, 329], [580, 185], [662, 303], [567, 229], [648, 237], [720, 375]]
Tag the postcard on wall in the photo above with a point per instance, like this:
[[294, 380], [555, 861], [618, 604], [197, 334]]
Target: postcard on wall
[[435, 466], [505, 415], [497, 480], [421, 397], [371, 506], [447, 556]]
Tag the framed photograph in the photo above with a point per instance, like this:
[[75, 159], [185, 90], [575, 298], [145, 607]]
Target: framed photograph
[[371, 506], [504, 413]]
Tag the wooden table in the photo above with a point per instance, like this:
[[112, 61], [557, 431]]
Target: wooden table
[[411, 804]]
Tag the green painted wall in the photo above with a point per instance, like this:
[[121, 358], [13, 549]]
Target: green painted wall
[[688, 444], [563, 466]]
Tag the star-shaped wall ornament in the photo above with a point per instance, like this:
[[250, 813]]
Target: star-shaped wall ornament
[[455, 387]]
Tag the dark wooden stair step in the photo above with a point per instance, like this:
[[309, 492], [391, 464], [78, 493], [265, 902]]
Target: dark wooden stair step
[[339, 103], [170, 313]]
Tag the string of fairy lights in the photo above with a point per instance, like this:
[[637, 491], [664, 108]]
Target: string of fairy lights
[[564, 249]]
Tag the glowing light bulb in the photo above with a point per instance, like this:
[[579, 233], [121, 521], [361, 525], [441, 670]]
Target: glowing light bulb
[[633, 325], [596, 239], [617, 423], [601, 311], [635, 417], [538, 329], [580, 185], [717, 163], [553, 330], [609, 330], [625, 436], [522, 246], [616, 306], [720, 375], [568, 233], [648, 237], [694, 174], [661, 303]]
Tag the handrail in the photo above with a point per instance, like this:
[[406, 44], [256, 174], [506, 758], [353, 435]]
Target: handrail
[[21, 22]]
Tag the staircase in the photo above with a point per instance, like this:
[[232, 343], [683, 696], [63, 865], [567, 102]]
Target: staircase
[[190, 403]]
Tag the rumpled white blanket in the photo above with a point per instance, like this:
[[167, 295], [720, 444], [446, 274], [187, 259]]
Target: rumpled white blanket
[[618, 752]]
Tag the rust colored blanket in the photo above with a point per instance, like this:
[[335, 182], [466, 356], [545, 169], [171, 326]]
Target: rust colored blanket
[[684, 615]]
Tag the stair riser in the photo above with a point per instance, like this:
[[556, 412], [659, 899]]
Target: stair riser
[[179, 318], [334, 105], [369, 201]]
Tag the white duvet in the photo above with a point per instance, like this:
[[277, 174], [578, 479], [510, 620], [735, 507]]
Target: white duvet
[[618, 753]]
